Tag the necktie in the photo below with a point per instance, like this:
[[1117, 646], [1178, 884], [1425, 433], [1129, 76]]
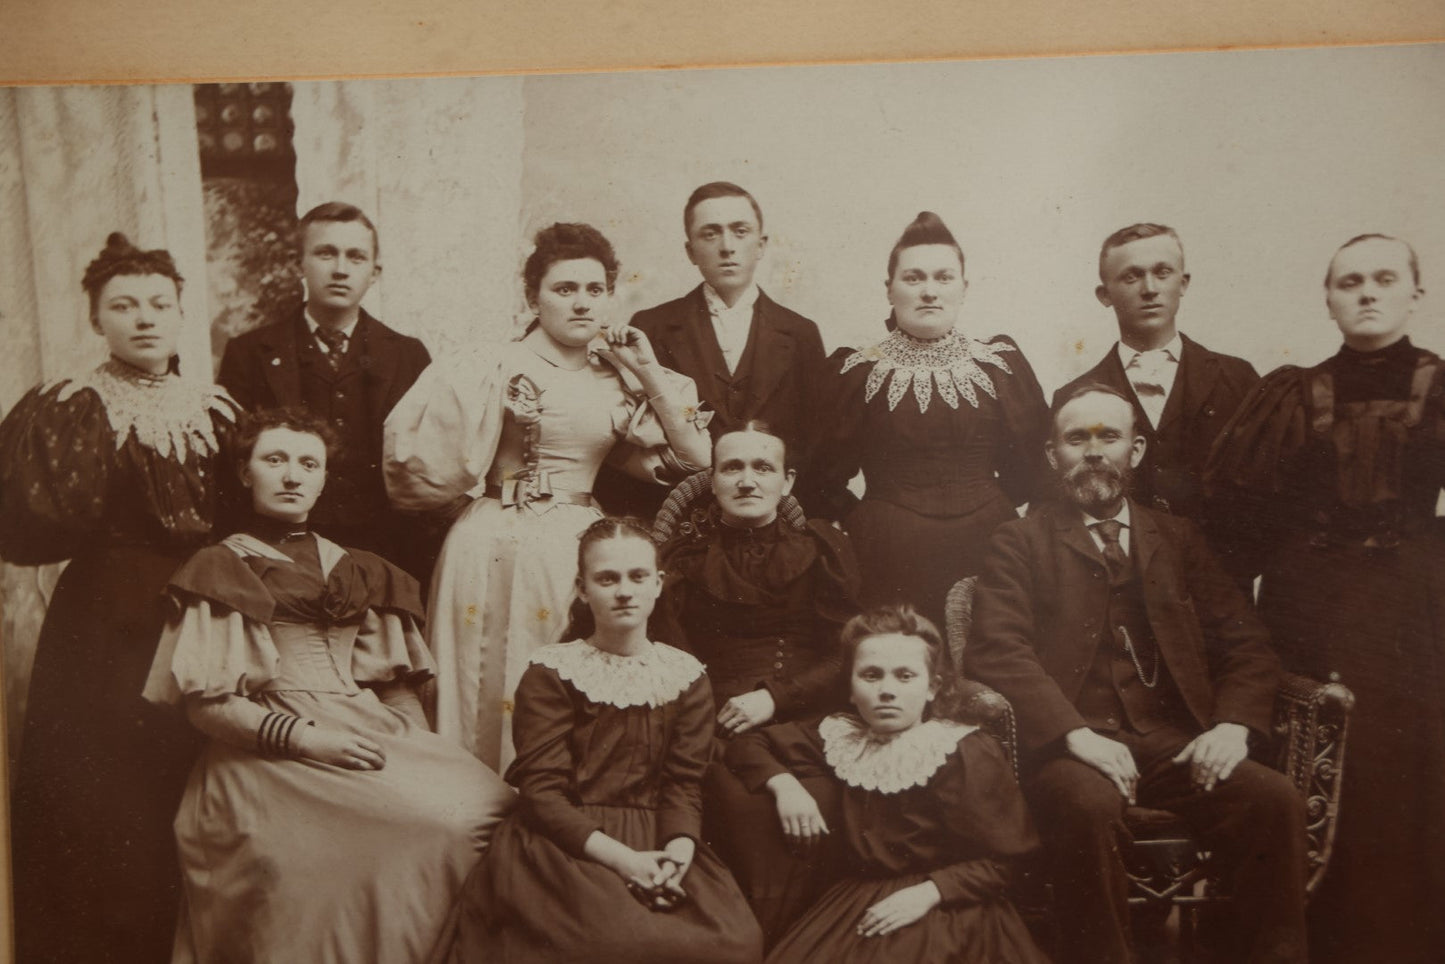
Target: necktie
[[335, 342], [1114, 557]]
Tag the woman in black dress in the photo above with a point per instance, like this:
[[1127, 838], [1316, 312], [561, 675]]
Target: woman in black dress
[[947, 429], [1334, 472], [114, 470]]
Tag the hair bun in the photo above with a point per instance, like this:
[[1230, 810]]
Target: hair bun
[[117, 242]]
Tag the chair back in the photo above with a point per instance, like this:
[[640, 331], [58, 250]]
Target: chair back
[[958, 616], [689, 501]]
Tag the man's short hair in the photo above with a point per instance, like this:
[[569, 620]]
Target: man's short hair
[[1136, 232], [1089, 388], [1414, 258], [716, 189], [338, 211], [760, 427]]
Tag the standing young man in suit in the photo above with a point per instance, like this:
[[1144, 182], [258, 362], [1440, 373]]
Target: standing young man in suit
[[334, 359], [1183, 393], [750, 357], [1137, 671]]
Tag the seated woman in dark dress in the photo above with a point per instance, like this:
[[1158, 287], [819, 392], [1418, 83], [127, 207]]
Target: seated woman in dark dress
[[759, 599], [947, 428], [1334, 471], [325, 821], [930, 815]]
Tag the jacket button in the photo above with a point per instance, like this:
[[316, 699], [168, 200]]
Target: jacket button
[[1113, 723], [777, 666]]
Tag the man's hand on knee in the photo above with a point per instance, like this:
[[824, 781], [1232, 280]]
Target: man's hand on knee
[[1109, 757], [1213, 754]]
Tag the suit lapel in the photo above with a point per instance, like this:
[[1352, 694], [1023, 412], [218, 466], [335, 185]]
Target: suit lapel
[[1070, 525], [769, 354], [1192, 384], [281, 359], [378, 360], [688, 333]]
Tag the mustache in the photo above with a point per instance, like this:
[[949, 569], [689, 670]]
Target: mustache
[[1095, 483]]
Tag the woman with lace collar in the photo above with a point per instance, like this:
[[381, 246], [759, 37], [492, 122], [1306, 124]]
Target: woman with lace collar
[[930, 814], [115, 470], [947, 429], [603, 859], [510, 440]]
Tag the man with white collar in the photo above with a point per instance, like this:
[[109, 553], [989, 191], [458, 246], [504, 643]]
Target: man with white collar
[[750, 357], [1137, 671], [335, 360], [1183, 393]]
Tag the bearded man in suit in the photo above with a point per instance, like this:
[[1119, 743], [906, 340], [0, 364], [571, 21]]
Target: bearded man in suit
[[335, 360], [751, 358], [1138, 672]]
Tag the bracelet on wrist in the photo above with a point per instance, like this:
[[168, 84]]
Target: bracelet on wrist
[[275, 734]]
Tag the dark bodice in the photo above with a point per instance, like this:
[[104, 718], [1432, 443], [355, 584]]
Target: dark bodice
[[945, 460], [116, 457], [762, 607]]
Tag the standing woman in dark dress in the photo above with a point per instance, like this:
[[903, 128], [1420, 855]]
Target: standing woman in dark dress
[[948, 431], [114, 470], [1334, 471]]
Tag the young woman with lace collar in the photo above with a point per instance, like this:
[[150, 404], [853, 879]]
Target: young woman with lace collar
[[115, 470], [947, 429], [603, 859], [511, 440], [930, 814]]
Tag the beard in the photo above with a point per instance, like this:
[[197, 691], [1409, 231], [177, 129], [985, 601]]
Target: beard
[[1095, 485]]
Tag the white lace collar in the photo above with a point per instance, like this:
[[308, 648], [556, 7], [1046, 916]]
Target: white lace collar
[[909, 759], [166, 413], [950, 362], [653, 677]]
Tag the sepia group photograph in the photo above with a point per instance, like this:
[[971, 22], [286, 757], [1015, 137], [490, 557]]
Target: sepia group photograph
[[941, 510]]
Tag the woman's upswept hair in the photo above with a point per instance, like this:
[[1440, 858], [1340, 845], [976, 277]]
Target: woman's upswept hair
[[296, 419], [580, 623], [901, 619], [927, 228], [567, 242], [120, 257]]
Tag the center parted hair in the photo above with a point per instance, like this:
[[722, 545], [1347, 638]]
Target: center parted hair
[[295, 419], [759, 427], [712, 190], [1373, 236], [120, 257], [901, 619], [580, 623], [565, 241]]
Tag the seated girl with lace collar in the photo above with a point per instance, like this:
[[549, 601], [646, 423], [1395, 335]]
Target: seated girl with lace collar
[[930, 816], [602, 859]]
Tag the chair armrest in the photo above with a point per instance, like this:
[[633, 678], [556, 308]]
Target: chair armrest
[[987, 709], [1311, 724]]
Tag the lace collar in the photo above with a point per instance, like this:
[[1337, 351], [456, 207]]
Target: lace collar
[[650, 678], [909, 759], [165, 413], [950, 362]]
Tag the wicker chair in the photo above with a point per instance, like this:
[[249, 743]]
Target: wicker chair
[[1167, 867], [686, 507]]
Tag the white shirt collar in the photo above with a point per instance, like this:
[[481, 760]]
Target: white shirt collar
[[1173, 351], [313, 324], [1122, 517], [717, 306]]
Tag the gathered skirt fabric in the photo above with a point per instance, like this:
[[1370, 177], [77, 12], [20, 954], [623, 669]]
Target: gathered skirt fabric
[[294, 860], [532, 902], [502, 590], [989, 933]]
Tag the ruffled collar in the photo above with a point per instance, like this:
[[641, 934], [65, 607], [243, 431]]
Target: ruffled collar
[[165, 413], [650, 678], [952, 363], [888, 765]]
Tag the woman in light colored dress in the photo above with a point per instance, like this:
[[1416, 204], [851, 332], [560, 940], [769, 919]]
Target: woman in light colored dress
[[324, 822], [513, 436]]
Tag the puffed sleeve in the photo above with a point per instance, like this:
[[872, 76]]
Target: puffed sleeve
[[984, 813], [389, 647], [543, 770], [216, 642], [664, 437], [759, 755], [56, 449], [439, 441], [1023, 469], [688, 755]]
